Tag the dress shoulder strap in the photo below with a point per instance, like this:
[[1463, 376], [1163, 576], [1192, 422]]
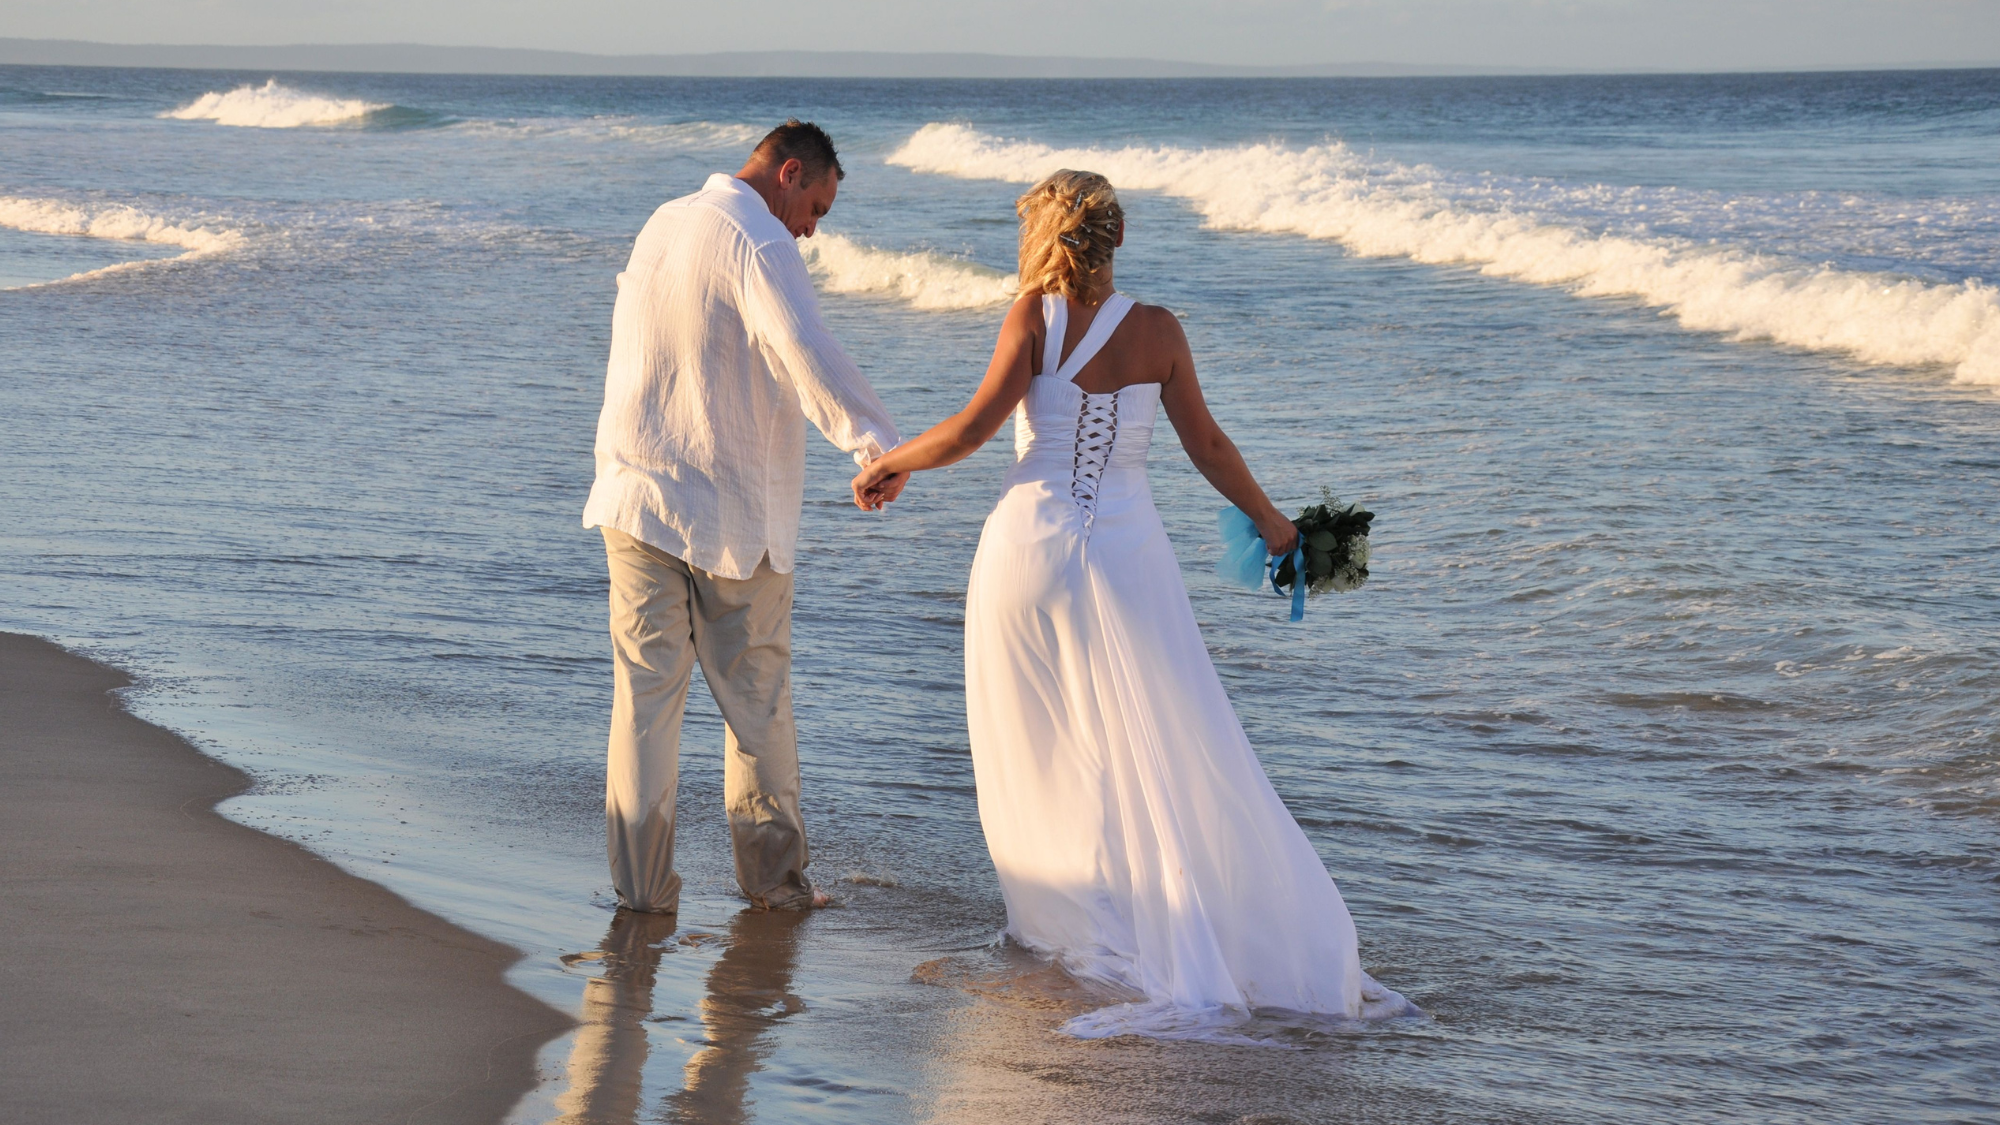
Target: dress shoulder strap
[[1055, 322], [1114, 310]]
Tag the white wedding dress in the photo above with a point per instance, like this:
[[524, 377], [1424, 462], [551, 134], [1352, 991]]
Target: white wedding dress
[[1136, 837]]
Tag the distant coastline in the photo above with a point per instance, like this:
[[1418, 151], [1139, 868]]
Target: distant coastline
[[417, 58]]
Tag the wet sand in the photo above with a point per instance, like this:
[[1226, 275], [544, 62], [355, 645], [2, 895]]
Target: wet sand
[[164, 964]]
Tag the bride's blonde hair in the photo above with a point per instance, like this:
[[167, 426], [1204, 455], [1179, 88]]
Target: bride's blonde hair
[[1070, 225]]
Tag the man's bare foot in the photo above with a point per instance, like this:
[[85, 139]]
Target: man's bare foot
[[815, 901]]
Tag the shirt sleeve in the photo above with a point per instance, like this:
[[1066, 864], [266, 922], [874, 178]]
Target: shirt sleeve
[[783, 314]]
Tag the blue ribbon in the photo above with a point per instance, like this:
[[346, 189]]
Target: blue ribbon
[[1247, 562], [1298, 557]]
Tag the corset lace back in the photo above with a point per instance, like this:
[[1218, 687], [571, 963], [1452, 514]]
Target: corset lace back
[[1085, 444], [1096, 433]]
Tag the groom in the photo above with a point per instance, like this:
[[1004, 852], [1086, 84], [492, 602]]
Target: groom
[[718, 358]]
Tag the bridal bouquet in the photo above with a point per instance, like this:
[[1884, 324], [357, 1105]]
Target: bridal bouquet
[[1332, 551]]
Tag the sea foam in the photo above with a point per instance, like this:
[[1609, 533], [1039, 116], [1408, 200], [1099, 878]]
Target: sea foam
[[924, 278], [272, 106], [692, 136], [1379, 208], [115, 221]]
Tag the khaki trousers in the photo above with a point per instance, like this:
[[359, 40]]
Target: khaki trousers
[[665, 615]]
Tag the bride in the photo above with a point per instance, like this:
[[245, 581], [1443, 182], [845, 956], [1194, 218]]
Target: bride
[[1137, 839]]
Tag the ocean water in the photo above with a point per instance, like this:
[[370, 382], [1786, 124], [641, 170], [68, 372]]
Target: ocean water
[[1658, 761]]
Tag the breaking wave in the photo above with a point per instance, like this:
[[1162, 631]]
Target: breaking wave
[[1378, 208], [272, 106], [115, 221], [924, 278]]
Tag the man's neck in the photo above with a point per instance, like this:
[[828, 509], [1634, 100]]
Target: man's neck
[[764, 182]]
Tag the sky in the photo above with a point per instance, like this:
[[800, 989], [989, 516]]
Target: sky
[[1568, 34]]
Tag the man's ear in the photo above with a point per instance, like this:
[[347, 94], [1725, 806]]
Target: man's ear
[[792, 173]]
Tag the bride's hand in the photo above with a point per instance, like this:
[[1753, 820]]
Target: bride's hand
[[1281, 536], [874, 487]]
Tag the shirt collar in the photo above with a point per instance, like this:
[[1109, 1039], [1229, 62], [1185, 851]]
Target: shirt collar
[[755, 214], [723, 181]]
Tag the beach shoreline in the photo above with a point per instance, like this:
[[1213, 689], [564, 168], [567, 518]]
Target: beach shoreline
[[167, 964], [1670, 672]]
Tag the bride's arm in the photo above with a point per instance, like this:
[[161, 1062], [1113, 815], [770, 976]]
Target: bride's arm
[[960, 435], [1208, 447]]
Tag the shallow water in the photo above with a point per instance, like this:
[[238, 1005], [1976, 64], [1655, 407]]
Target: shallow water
[[1657, 761]]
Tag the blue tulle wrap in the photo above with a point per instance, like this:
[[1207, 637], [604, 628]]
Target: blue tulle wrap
[[1247, 561], [1243, 550]]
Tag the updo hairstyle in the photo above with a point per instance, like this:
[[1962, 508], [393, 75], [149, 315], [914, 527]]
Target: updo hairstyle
[[1070, 225]]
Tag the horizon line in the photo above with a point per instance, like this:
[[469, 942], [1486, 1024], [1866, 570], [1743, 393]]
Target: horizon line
[[424, 58]]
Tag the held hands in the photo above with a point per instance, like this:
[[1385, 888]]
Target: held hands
[[874, 487]]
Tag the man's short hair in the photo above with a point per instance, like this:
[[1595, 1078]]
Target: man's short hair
[[804, 142]]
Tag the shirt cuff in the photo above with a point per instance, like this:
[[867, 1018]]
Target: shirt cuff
[[871, 451]]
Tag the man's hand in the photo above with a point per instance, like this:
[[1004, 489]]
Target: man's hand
[[891, 487], [874, 488]]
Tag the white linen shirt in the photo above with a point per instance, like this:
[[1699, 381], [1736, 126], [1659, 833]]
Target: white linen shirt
[[718, 357]]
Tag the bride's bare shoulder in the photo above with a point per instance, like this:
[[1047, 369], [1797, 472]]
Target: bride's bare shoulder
[[1025, 311], [1021, 333], [1157, 324]]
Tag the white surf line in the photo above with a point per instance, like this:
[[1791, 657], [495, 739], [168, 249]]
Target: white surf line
[[690, 136], [925, 279], [272, 106], [113, 221], [1381, 210]]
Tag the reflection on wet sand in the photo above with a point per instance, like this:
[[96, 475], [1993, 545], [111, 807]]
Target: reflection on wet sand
[[747, 992], [608, 1060], [999, 1058]]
